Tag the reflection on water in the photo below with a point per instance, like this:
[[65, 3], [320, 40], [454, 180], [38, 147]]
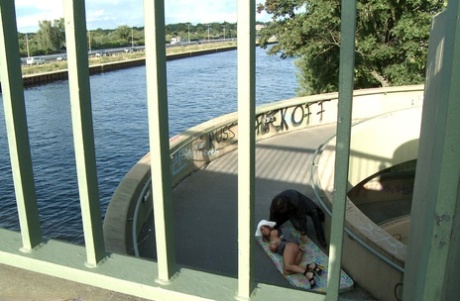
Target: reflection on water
[[199, 89]]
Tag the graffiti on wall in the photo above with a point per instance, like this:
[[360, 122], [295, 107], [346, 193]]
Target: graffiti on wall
[[180, 160], [221, 135], [280, 120], [207, 146]]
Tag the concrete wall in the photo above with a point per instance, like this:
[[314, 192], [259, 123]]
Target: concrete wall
[[199, 145], [376, 144], [398, 228], [383, 142], [48, 77]]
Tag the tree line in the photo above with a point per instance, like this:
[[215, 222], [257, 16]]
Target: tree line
[[391, 40], [50, 37]]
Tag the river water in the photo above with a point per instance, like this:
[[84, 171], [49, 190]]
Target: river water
[[199, 89]]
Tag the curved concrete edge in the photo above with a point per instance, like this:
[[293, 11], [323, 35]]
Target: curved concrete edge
[[380, 143], [366, 268], [121, 209], [370, 155], [356, 221], [199, 145], [369, 247], [398, 228]]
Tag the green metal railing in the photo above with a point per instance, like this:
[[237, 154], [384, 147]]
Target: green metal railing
[[160, 280]]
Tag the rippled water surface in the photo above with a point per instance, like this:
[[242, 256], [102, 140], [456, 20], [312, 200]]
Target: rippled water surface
[[199, 89]]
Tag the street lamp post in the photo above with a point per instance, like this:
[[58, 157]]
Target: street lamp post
[[89, 41], [27, 43], [132, 37]]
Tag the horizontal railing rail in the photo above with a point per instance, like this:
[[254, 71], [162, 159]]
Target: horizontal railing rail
[[93, 265]]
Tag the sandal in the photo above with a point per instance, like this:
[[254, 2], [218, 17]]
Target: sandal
[[310, 279], [315, 269]]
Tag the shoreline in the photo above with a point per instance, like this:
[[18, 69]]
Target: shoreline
[[31, 80]]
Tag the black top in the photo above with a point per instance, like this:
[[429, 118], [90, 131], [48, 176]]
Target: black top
[[294, 206]]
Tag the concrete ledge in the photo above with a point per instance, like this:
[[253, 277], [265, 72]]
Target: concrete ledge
[[369, 247], [383, 142], [123, 212], [196, 147], [398, 228], [129, 275], [48, 77]]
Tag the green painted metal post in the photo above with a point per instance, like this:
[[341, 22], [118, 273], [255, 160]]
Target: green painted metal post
[[246, 145], [432, 267], [82, 123], [157, 97], [16, 124], [344, 118]]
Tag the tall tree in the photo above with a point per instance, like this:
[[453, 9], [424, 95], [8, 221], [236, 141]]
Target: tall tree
[[391, 40], [50, 36], [122, 34]]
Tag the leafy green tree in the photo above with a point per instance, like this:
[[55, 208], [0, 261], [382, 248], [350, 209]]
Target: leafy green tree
[[122, 34], [50, 36], [138, 36], [391, 40]]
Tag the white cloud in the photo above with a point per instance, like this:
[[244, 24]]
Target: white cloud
[[45, 5], [98, 13], [30, 12], [108, 14], [203, 11]]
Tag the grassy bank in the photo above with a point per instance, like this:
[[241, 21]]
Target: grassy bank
[[122, 56]]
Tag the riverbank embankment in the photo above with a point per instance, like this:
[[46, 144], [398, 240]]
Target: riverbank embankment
[[47, 77]]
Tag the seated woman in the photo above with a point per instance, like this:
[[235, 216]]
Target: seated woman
[[287, 246]]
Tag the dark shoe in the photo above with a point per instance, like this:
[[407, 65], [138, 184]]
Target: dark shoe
[[310, 277], [313, 267]]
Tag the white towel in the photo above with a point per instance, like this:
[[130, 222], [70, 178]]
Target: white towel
[[264, 223]]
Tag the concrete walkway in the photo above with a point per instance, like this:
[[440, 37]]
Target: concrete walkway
[[21, 285], [205, 207]]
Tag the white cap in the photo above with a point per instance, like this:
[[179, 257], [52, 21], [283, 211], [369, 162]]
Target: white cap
[[264, 223]]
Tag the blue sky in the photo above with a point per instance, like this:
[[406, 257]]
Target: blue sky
[[108, 14]]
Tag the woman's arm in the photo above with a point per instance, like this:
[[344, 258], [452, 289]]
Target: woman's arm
[[274, 241]]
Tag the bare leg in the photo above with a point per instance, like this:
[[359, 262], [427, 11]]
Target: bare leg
[[292, 256]]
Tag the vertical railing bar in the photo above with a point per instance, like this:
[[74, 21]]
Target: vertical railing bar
[[441, 235], [17, 130], [246, 145], [82, 124], [431, 270], [347, 50], [157, 98]]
